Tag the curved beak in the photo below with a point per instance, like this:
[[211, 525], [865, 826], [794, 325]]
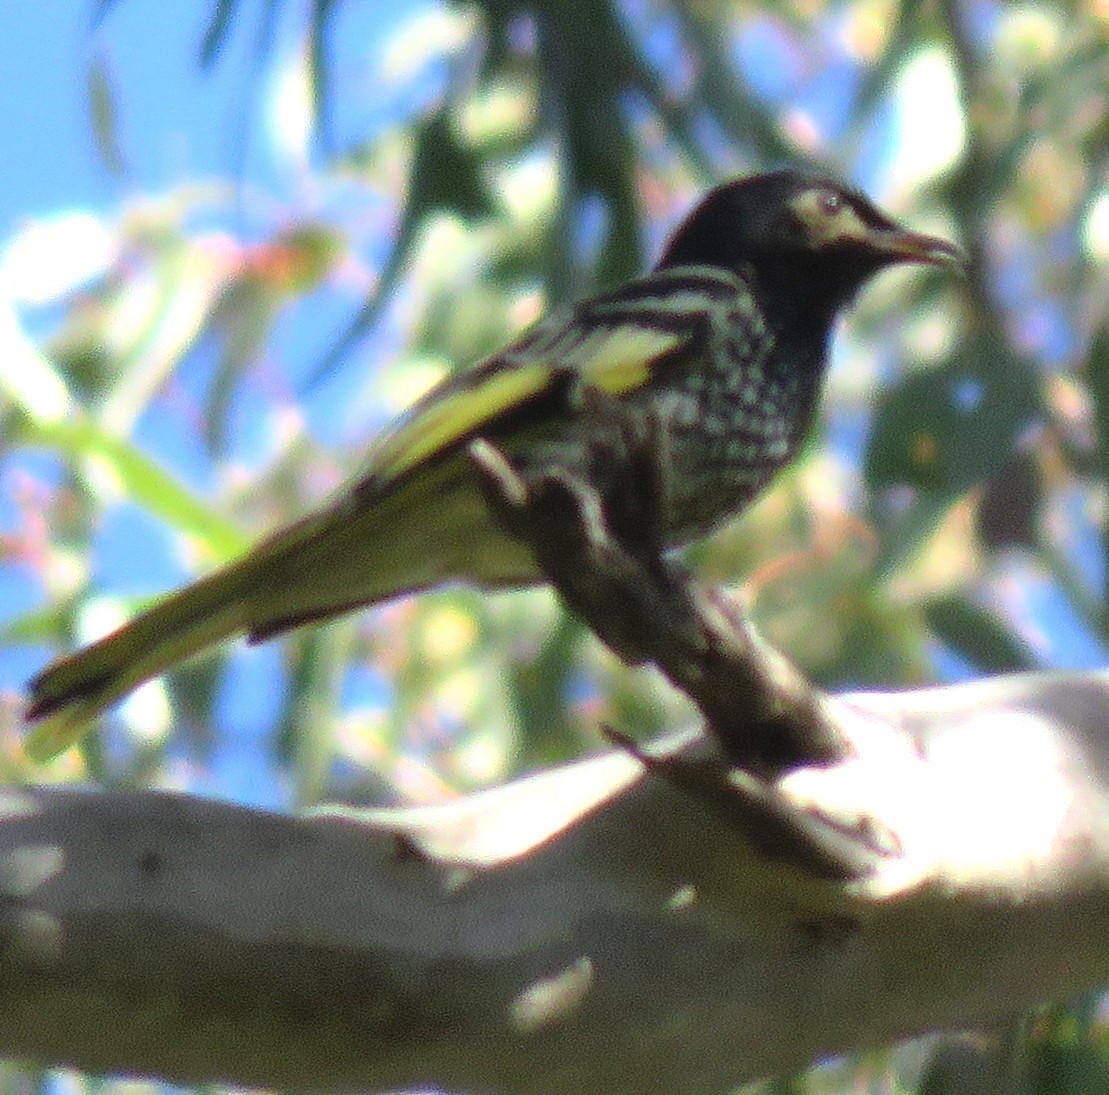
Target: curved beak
[[897, 244]]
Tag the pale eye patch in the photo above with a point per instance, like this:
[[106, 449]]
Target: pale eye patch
[[827, 218]]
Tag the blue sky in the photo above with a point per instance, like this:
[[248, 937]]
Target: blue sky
[[174, 120]]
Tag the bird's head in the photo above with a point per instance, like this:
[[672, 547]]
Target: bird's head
[[808, 243]]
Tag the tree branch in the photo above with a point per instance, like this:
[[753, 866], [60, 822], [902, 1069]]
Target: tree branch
[[599, 536], [593, 929], [811, 875]]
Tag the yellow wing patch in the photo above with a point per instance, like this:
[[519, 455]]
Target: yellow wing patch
[[616, 359], [621, 358], [448, 415]]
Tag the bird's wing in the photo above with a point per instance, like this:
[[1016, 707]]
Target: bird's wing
[[617, 342]]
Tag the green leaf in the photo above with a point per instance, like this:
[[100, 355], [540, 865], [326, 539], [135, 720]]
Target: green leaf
[[105, 122], [944, 430], [215, 34], [1097, 377], [141, 480], [585, 62], [958, 1067], [979, 635], [100, 12], [550, 729], [724, 94], [279, 271], [319, 67], [306, 726], [43, 625], [446, 174], [1062, 1060], [1011, 506], [903, 535]]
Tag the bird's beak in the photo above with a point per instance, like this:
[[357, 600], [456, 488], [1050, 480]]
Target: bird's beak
[[900, 245]]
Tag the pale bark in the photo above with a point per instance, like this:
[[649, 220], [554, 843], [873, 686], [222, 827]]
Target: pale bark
[[597, 928]]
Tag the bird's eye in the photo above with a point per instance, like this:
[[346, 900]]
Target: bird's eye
[[830, 202]]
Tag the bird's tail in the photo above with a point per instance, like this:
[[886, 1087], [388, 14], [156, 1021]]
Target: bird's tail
[[69, 694], [355, 552]]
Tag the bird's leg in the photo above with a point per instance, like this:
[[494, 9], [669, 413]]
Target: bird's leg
[[619, 587], [596, 526]]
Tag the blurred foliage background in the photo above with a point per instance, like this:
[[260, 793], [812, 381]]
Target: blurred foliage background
[[206, 362]]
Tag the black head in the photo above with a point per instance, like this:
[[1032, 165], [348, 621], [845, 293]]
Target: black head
[[807, 243]]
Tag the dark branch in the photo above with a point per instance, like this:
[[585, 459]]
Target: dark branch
[[599, 538]]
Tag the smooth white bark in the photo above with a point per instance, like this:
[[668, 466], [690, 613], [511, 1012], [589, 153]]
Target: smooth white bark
[[592, 929]]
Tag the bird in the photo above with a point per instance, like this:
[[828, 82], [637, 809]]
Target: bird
[[724, 342]]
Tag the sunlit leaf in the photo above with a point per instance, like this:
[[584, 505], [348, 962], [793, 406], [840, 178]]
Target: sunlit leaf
[[141, 480], [908, 530], [155, 320], [43, 625]]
